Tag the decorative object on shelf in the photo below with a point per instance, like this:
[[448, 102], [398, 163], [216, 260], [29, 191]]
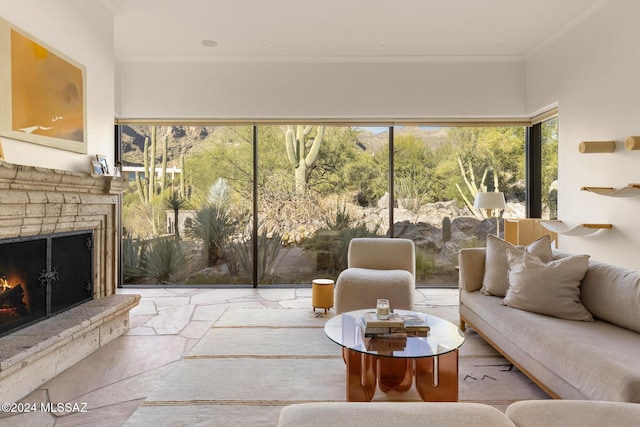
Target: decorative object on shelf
[[117, 170], [96, 168], [103, 161], [493, 200], [579, 230], [1, 152], [631, 190], [632, 143], [597, 146], [42, 93]]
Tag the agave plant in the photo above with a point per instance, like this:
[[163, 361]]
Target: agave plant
[[214, 227], [163, 259], [268, 250]]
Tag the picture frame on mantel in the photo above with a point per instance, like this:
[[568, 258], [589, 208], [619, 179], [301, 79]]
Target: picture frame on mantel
[[102, 159], [96, 168], [42, 93]]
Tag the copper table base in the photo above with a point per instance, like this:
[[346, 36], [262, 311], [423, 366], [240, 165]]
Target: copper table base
[[436, 377]]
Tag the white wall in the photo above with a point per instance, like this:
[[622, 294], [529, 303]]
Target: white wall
[[82, 30], [321, 90], [593, 72]]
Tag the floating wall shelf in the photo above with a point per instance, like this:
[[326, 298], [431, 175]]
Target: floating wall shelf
[[632, 143], [630, 190], [597, 146], [579, 230]]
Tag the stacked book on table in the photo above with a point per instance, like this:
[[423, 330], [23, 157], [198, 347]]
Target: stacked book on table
[[396, 326]]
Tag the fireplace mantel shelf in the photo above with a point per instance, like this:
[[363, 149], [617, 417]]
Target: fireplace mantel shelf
[[35, 178]]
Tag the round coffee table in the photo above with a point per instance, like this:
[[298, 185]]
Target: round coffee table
[[394, 363]]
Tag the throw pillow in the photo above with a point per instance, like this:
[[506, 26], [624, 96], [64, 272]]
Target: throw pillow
[[551, 288], [496, 280]]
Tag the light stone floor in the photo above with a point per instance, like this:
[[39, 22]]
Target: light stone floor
[[107, 387]]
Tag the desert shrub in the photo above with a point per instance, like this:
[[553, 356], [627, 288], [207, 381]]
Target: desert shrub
[[335, 237], [425, 262], [132, 250]]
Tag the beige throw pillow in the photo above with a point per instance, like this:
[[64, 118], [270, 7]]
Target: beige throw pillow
[[551, 288], [496, 280]]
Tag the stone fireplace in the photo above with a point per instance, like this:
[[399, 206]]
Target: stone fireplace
[[39, 206], [38, 201]]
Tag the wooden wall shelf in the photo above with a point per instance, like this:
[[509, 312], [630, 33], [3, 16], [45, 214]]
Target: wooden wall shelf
[[579, 230], [631, 190], [597, 146]]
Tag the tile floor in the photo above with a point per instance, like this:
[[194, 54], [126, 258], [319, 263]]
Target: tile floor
[[107, 387]]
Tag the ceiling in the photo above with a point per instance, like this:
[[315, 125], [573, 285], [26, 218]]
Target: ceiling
[[339, 30]]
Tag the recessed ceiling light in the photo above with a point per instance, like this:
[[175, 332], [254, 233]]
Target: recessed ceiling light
[[380, 43], [209, 43]]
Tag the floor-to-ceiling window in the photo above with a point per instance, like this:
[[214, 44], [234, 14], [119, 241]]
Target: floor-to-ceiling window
[[278, 203], [187, 213], [437, 173], [319, 186]]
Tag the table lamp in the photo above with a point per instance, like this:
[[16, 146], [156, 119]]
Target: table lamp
[[490, 201]]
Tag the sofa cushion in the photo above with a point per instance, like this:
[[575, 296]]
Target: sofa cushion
[[583, 413], [551, 288], [612, 293], [384, 414], [496, 280]]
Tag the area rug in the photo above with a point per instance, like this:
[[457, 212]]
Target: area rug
[[252, 362]]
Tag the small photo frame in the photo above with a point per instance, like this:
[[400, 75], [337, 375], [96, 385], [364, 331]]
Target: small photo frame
[[103, 162], [96, 168]]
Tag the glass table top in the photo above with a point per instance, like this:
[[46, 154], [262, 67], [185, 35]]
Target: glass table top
[[346, 329]]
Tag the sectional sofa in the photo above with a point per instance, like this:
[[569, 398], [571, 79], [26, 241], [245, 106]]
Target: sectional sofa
[[569, 323]]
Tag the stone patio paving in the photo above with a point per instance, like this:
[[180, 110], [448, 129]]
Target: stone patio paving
[[108, 386]]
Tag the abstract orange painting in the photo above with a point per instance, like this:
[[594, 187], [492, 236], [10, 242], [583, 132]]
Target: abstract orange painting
[[45, 97]]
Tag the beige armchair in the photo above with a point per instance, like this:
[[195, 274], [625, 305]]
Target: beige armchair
[[377, 268]]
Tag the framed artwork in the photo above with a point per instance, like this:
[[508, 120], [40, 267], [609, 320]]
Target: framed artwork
[[103, 162], [42, 93], [96, 168]]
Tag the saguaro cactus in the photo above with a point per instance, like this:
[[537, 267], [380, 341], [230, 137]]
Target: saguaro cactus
[[163, 177], [297, 141], [446, 229], [152, 164], [183, 187], [143, 184]]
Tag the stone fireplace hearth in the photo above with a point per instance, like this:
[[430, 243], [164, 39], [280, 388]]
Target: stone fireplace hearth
[[37, 202]]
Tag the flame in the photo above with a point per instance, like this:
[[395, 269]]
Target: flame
[[9, 281]]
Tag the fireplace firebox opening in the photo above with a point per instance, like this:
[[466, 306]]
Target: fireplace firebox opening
[[43, 275]]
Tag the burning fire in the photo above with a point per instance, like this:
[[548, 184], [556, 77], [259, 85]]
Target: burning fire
[[4, 283], [10, 297]]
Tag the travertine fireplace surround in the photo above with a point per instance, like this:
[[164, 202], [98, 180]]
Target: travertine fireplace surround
[[36, 201]]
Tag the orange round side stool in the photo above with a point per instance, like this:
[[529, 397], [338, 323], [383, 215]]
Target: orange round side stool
[[322, 294]]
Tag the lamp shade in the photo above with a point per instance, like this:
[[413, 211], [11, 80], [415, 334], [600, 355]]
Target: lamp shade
[[490, 200]]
